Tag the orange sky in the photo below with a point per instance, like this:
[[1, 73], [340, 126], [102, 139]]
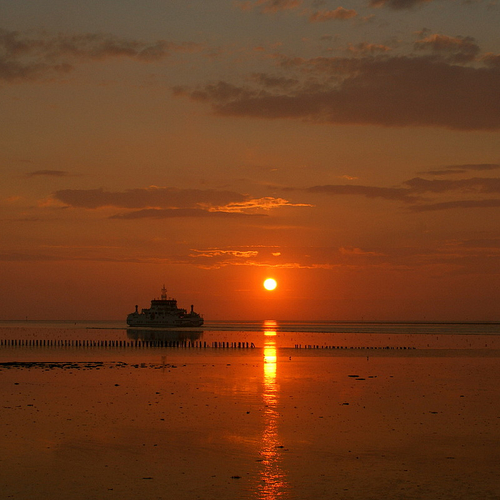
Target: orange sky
[[349, 150]]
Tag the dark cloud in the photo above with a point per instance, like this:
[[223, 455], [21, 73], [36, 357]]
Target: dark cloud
[[473, 185], [367, 48], [48, 173], [391, 91], [24, 57], [447, 205], [400, 194], [482, 243], [461, 169], [270, 6], [492, 60], [168, 213], [274, 81], [19, 257], [457, 49], [339, 14], [443, 172], [416, 192], [152, 197], [477, 166], [166, 202], [397, 4]]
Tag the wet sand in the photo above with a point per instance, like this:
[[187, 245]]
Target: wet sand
[[260, 424]]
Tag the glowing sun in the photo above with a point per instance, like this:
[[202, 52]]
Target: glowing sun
[[270, 284]]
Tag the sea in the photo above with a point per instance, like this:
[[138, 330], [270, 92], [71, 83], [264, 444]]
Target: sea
[[250, 410], [327, 337]]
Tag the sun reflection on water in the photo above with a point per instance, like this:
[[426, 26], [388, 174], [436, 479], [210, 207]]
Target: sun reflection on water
[[273, 483]]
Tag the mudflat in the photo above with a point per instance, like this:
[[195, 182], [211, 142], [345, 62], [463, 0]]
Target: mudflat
[[256, 424]]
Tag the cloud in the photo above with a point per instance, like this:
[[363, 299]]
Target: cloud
[[151, 197], [397, 91], [270, 6], [339, 14], [460, 169], [399, 194], [367, 48], [415, 193], [167, 202], [492, 60], [492, 244], [472, 185], [274, 81], [24, 57], [218, 252], [48, 173], [168, 213], [266, 203], [457, 49], [398, 4], [354, 251], [456, 204], [477, 166], [218, 258]]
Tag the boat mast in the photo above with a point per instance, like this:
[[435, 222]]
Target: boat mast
[[163, 293]]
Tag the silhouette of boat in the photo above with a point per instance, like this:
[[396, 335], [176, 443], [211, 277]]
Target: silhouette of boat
[[164, 313]]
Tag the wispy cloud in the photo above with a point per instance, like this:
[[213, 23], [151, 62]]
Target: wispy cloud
[[339, 14], [364, 48], [358, 251], [416, 193], [471, 185], [447, 205], [266, 203], [219, 252], [455, 49], [48, 173], [265, 256], [387, 193], [150, 197], [398, 4], [26, 57], [477, 166], [168, 213], [273, 6], [270, 6], [461, 169]]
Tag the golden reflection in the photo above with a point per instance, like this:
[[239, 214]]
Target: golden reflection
[[273, 483]]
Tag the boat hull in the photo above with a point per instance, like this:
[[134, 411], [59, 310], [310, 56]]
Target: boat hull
[[144, 321]]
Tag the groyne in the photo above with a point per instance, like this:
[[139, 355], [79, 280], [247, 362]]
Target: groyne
[[179, 344], [312, 346], [137, 344]]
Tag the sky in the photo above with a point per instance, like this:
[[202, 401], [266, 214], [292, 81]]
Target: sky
[[350, 150]]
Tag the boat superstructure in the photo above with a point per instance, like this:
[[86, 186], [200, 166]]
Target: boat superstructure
[[164, 313]]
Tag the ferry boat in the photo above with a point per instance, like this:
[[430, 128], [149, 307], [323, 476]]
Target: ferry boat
[[164, 313]]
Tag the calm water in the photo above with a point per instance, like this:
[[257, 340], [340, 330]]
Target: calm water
[[331, 336], [445, 328], [350, 411]]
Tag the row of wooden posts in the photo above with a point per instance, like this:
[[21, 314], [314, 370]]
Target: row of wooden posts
[[125, 343], [160, 343], [300, 346]]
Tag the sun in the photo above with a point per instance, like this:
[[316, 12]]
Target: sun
[[270, 284]]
